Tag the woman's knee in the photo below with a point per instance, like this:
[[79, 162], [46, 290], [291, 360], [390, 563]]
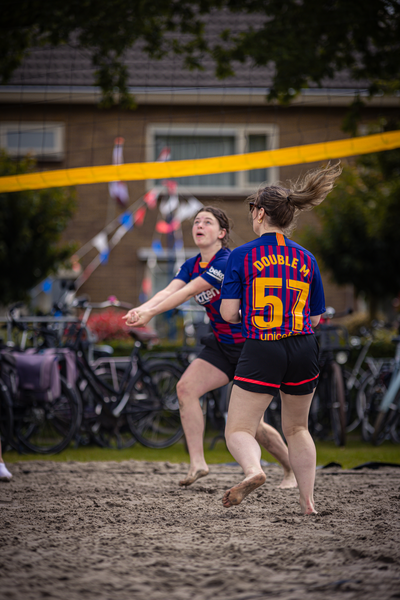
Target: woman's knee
[[293, 429]]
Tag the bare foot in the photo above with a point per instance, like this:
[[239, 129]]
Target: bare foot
[[308, 507], [288, 481], [191, 478], [236, 494]]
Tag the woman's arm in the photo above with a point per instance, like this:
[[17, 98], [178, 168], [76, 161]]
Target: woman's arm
[[315, 320], [172, 287], [230, 310], [179, 296]]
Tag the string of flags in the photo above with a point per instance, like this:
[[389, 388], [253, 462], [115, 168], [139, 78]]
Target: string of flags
[[173, 210]]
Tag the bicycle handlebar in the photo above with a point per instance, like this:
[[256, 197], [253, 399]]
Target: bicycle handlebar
[[83, 303]]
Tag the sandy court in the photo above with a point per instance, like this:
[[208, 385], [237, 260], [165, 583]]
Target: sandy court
[[117, 531]]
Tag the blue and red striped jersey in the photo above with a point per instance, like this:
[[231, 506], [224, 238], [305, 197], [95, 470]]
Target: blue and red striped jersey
[[279, 285], [213, 273]]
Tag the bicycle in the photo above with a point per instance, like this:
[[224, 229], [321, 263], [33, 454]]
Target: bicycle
[[357, 379], [35, 424], [125, 399], [6, 416], [328, 409], [385, 408]]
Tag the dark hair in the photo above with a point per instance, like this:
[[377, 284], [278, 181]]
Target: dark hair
[[283, 205], [223, 220]]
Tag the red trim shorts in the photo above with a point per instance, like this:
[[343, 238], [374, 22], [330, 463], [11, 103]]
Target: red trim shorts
[[289, 364]]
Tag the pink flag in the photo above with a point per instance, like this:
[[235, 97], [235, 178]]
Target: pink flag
[[165, 154], [139, 216], [151, 197], [118, 190], [164, 227]]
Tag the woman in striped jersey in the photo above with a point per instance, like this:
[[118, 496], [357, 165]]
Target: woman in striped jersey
[[272, 286], [201, 277]]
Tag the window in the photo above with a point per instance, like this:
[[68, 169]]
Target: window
[[208, 141], [45, 141]]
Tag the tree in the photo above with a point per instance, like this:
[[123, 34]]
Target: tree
[[106, 29], [358, 239], [304, 41], [31, 224], [308, 41]]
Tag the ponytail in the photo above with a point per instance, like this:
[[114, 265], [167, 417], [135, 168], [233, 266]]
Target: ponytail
[[283, 205]]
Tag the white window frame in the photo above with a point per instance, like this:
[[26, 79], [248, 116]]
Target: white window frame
[[239, 131], [45, 154]]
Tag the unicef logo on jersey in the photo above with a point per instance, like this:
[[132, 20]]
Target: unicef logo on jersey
[[207, 296], [216, 273]]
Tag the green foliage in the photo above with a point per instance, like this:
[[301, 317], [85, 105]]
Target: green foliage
[[31, 224], [106, 29], [353, 454], [304, 43], [358, 240], [310, 41]]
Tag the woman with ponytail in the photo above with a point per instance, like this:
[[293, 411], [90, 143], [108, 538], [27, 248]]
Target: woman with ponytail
[[201, 278], [273, 287]]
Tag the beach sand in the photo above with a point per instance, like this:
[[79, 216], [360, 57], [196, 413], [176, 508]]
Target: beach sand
[[117, 531]]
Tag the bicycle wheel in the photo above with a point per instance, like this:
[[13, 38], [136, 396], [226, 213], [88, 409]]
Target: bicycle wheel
[[353, 418], [395, 427], [319, 420], [110, 431], [48, 427], [337, 405], [369, 400], [153, 407], [6, 416], [383, 426]]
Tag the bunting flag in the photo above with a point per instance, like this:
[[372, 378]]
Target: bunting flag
[[168, 206], [188, 210], [139, 216], [171, 185], [118, 190], [157, 247], [146, 286], [151, 197], [100, 242], [164, 227], [164, 155], [126, 220], [47, 285]]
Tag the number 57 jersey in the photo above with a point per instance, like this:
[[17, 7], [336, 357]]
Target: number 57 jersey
[[279, 285]]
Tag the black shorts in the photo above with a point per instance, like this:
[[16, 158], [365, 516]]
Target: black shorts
[[289, 364], [223, 356]]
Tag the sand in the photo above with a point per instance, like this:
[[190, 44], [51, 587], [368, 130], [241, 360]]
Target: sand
[[117, 531]]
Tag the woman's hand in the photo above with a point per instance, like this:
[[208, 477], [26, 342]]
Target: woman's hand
[[131, 317], [137, 317]]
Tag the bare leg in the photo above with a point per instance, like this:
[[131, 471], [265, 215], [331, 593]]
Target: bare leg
[[272, 441], [200, 377], [245, 412], [302, 453]]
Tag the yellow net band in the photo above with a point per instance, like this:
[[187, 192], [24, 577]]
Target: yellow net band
[[203, 166]]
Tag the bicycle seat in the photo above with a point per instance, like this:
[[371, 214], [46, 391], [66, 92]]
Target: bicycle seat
[[143, 334]]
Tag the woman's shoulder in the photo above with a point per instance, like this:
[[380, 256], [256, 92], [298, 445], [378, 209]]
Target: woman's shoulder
[[301, 249]]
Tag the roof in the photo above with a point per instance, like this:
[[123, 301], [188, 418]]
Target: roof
[[67, 72]]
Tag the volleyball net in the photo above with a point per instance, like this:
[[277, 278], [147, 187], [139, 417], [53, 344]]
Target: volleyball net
[[203, 166]]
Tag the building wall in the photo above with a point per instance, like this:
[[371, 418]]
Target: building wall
[[90, 134]]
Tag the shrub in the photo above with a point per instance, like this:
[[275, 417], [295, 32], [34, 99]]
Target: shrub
[[108, 325]]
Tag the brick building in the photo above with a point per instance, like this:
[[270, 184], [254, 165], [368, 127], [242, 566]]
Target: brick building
[[194, 113]]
